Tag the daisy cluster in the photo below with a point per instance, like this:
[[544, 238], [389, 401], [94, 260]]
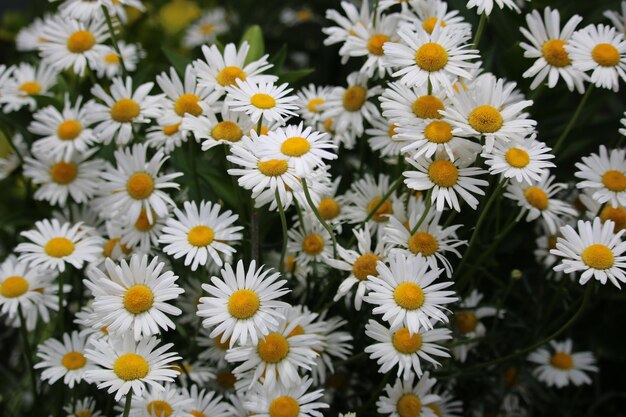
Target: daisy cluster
[[209, 245]]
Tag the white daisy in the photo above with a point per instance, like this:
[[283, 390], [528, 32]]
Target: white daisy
[[211, 131], [25, 82], [310, 101], [108, 63], [467, 322], [603, 175], [403, 399], [263, 100], [206, 29], [164, 401], [559, 366], [295, 401], [486, 6], [64, 359]]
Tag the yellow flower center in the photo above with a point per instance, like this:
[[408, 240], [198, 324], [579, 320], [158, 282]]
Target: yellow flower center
[[284, 407], [555, 54], [354, 97], [59, 247], [80, 41], [424, 243], [605, 54], [409, 405], [466, 321], [429, 24], [536, 197], [406, 343], [313, 244], [614, 180], [443, 173], [262, 101], [562, 360], [112, 58], [207, 29], [140, 185], [375, 44], [427, 107], [329, 208], [159, 408], [171, 129], [228, 75], [125, 110], [31, 88], [273, 167], [295, 146], [73, 360], [438, 132], [13, 287], [364, 266], [188, 103], [615, 214], [274, 348], [69, 130], [381, 213], [409, 296], [517, 158], [138, 299], [314, 104], [142, 224], [227, 130], [200, 236], [598, 256], [63, 172], [485, 119], [243, 304], [130, 366], [431, 57]]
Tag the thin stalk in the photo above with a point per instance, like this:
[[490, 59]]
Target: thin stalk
[[573, 120], [129, 398], [107, 17], [479, 31], [428, 201], [28, 352], [328, 228], [283, 223]]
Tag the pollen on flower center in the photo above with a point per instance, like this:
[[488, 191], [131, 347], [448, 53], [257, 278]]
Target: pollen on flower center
[[227, 130], [562, 360], [375, 44], [381, 213], [63, 172], [130, 366], [406, 343], [140, 185], [605, 54], [274, 348], [188, 103], [409, 405], [485, 119], [159, 408], [295, 146], [614, 180], [598, 256], [517, 158], [364, 266], [438, 132], [313, 244], [536, 197], [73, 360], [31, 88], [431, 57], [112, 58], [59, 247], [443, 173], [273, 167], [69, 130], [615, 214], [466, 321], [314, 104], [429, 24], [13, 287], [200, 236], [554, 53], [427, 107], [243, 304], [262, 101], [409, 295], [228, 75], [329, 208], [80, 41], [138, 299], [284, 407], [354, 97], [423, 243], [125, 110]]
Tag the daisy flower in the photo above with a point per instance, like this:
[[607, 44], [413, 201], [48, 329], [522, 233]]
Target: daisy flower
[[206, 403], [405, 350], [436, 58], [602, 50], [603, 175], [406, 295], [595, 249], [64, 359], [135, 184], [211, 131], [126, 366], [52, 244], [122, 109], [486, 6], [199, 233], [547, 47], [84, 407], [446, 179], [206, 29], [311, 98], [558, 366], [261, 101], [618, 20], [430, 13], [310, 241], [73, 44], [467, 322], [27, 81], [134, 297], [404, 399], [160, 402], [108, 63], [409, 106], [242, 305], [294, 401]]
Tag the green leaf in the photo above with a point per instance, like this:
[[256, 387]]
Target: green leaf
[[296, 75], [254, 37], [178, 61]]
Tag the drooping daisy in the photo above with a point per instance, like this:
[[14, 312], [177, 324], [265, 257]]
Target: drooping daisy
[[404, 399], [602, 50], [134, 297], [406, 295], [595, 249], [310, 101], [126, 366], [84, 407], [547, 47], [242, 305], [295, 401], [467, 322], [64, 359], [52, 244], [206, 29], [109, 63], [559, 366], [310, 242], [263, 100], [212, 131], [135, 184], [122, 109], [199, 233], [430, 13], [618, 20], [399, 347], [603, 175], [166, 401], [206, 403], [27, 81], [486, 6], [410, 106]]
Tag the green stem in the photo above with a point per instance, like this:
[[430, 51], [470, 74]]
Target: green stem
[[129, 398], [28, 352], [328, 228], [428, 201], [573, 120], [283, 223], [107, 17], [479, 31]]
